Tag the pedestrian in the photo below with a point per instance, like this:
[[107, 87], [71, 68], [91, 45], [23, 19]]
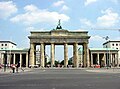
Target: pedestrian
[[13, 68], [17, 65]]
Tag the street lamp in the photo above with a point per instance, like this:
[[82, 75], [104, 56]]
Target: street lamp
[[119, 51], [106, 38]]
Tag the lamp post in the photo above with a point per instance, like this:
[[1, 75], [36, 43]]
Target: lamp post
[[119, 51], [106, 38]]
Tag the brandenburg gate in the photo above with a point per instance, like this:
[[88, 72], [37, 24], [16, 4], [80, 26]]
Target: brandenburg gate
[[59, 36]]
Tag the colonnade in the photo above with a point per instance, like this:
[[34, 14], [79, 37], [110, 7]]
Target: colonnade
[[11, 58], [104, 59], [75, 54]]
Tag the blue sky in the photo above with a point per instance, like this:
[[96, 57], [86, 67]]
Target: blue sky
[[99, 17]]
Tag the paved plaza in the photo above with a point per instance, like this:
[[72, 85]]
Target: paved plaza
[[61, 79]]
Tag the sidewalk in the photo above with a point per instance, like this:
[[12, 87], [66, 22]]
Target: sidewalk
[[9, 70], [104, 70], [95, 70]]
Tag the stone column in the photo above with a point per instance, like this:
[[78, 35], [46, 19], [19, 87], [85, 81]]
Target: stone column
[[105, 59], [14, 58], [8, 59], [85, 55], [98, 59], [91, 59], [42, 55], [119, 56], [27, 59], [75, 54], [88, 58], [65, 54], [20, 60], [32, 56], [35, 55], [2, 58], [116, 58], [52, 54], [111, 61]]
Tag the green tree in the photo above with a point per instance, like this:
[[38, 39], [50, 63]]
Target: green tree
[[70, 62], [56, 63], [62, 62]]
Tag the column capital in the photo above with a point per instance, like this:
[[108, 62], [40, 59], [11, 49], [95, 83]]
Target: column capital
[[41, 42], [32, 44], [65, 44], [52, 43]]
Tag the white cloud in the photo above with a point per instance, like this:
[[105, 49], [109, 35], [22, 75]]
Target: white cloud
[[61, 4], [7, 9], [88, 2], [58, 3], [30, 8], [34, 29], [109, 19], [34, 15], [86, 22], [64, 8]]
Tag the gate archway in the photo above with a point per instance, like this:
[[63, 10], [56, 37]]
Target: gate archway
[[59, 36]]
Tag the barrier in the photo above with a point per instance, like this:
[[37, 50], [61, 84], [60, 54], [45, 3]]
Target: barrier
[[97, 66]]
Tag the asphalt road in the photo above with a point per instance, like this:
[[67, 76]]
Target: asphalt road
[[60, 79]]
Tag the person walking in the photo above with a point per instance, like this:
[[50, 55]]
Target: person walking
[[17, 66]]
